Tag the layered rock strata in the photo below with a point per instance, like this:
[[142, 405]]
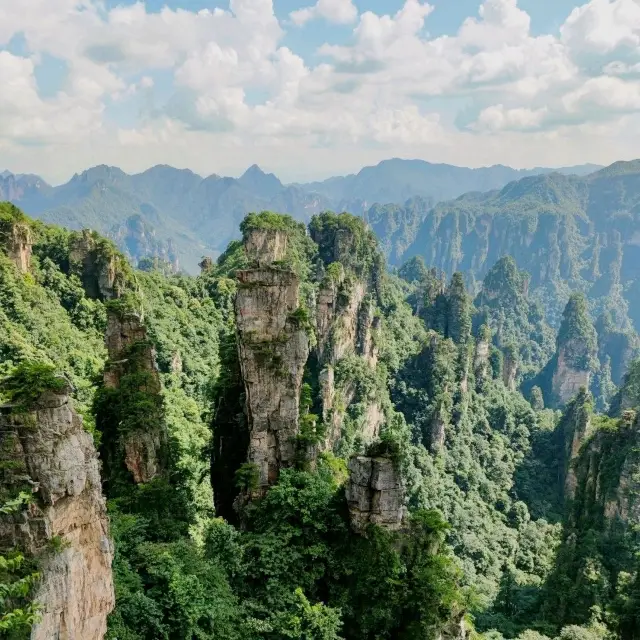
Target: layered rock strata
[[273, 347], [65, 527], [132, 354], [18, 243], [375, 493]]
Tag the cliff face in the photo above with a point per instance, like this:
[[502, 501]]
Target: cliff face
[[375, 493], [273, 347], [132, 365], [568, 380], [97, 267], [66, 526], [510, 372], [606, 473], [346, 324], [576, 429], [18, 244], [481, 366]]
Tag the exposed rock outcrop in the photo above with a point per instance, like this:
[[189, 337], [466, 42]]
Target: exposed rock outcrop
[[273, 347], [132, 354], [438, 430], [265, 246], [481, 366], [66, 526], [96, 263], [375, 493], [510, 371], [576, 426], [17, 240], [346, 325], [567, 380]]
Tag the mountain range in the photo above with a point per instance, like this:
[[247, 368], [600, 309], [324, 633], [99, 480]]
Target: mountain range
[[179, 216]]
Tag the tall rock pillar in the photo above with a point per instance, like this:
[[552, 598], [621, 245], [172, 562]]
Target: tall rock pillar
[[273, 347], [44, 446]]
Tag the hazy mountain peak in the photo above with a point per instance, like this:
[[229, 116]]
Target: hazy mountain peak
[[100, 172], [263, 184], [621, 167]]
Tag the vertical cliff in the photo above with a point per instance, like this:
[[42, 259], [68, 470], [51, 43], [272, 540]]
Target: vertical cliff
[[273, 347], [575, 359], [576, 427], [16, 237], [102, 270], [375, 493], [347, 321], [44, 449], [130, 407], [597, 562], [481, 364]]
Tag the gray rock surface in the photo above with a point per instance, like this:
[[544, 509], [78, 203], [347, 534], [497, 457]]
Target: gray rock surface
[[50, 451]]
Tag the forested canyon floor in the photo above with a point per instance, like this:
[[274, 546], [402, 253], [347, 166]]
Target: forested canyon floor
[[298, 443]]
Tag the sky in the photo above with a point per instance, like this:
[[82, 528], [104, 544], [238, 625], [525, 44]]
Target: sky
[[312, 88]]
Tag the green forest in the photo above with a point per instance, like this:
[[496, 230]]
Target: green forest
[[304, 443]]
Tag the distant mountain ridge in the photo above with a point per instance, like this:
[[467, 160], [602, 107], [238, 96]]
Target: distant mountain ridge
[[568, 232], [179, 215]]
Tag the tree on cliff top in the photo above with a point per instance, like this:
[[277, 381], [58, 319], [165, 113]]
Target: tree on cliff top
[[577, 335]]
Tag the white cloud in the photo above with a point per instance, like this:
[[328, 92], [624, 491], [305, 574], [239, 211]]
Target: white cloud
[[604, 95], [498, 118], [238, 93], [602, 27], [336, 11]]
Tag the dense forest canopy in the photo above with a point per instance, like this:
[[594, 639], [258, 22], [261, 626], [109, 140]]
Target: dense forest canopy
[[446, 458]]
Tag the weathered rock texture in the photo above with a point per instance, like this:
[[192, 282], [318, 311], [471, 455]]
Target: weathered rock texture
[[263, 247], [131, 353], [567, 380], [47, 449], [375, 493], [346, 323], [273, 347], [17, 240], [96, 266]]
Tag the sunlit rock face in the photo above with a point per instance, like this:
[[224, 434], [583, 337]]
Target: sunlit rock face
[[66, 526], [273, 348]]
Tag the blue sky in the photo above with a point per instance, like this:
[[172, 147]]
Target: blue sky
[[309, 88]]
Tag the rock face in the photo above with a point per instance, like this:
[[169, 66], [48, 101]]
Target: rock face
[[18, 243], [273, 347], [510, 372], [96, 266], [567, 380], [375, 493], [48, 449], [264, 247], [577, 424], [131, 353], [346, 324]]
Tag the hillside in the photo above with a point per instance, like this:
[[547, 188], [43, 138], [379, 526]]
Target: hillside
[[298, 444], [179, 216], [569, 233]]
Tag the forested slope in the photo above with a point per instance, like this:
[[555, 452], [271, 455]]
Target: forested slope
[[299, 444]]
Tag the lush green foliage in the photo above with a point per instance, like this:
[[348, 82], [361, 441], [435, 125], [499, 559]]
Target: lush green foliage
[[520, 557]]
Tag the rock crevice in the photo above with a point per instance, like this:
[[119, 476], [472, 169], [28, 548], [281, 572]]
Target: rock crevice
[[273, 347]]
